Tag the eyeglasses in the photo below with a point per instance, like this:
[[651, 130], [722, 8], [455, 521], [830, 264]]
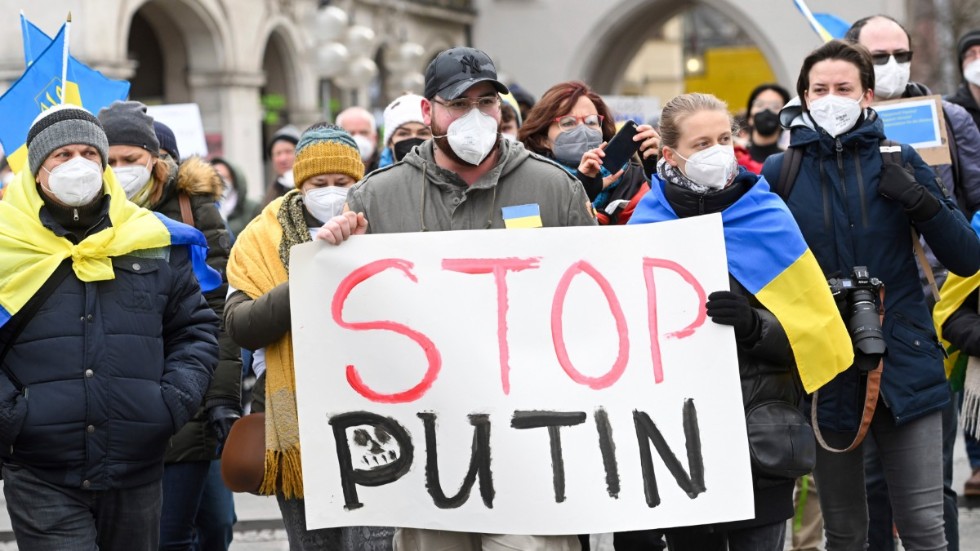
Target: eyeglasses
[[461, 105], [569, 122], [900, 57]]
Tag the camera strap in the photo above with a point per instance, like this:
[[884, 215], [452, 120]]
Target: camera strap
[[871, 391]]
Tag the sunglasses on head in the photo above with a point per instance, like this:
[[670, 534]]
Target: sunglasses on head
[[900, 57]]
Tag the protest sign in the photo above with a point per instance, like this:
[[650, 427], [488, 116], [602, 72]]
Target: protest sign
[[546, 381], [640, 109], [188, 127], [918, 122]]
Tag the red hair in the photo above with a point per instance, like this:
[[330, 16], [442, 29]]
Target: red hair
[[557, 102]]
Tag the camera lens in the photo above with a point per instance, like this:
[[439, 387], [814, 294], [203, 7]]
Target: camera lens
[[864, 323]]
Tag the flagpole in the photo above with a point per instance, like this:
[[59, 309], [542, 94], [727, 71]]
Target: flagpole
[[27, 39], [64, 61]]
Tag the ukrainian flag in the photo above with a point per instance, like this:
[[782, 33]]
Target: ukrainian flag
[[95, 89], [826, 25], [768, 256], [951, 297], [522, 216]]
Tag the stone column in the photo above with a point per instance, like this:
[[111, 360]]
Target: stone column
[[230, 104]]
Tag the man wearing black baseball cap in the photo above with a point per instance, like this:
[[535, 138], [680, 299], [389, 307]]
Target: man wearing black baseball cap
[[463, 178]]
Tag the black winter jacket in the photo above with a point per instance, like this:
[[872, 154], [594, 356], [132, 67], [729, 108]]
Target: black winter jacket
[[111, 370], [765, 360], [202, 185]]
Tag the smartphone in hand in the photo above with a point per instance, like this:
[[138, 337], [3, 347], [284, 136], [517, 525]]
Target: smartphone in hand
[[621, 147]]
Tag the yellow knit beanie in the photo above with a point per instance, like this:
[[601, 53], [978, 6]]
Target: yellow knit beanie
[[326, 149]]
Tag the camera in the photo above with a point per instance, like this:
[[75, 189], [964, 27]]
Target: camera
[[858, 295]]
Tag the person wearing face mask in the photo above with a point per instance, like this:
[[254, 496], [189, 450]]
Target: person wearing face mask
[[106, 332], [404, 128], [186, 193], [765, 101], [257, 316], [855, 209], [891, 50], [360, 124], [570, 124], [462, 179], [235, 206], [698, 175]]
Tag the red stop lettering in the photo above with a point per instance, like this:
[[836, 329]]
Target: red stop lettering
[[648, 265]]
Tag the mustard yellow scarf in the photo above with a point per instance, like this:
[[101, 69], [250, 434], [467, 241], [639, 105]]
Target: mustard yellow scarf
[[255, 267], [30, 252]]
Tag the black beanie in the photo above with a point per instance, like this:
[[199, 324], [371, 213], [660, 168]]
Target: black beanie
[[126, 123], [967, 41]]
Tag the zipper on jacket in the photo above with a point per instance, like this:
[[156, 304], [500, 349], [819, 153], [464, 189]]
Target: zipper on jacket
[[701, 204], [74, 214], [839, 147], [860, 186]]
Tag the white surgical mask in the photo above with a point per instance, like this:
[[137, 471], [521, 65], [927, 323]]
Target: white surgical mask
[[75, 182], [364, 146], [972, 72], [229, 199], [473, 136], [132, 178], [713, 167], [286, 180], [891, 79], [325, 202], [835, 114]]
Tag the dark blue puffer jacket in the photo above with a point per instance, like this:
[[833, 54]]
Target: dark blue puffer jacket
[[111, 370], [847, 223]]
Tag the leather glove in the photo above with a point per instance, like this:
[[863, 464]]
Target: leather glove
[[899, 185], [727, 308], [220, 420]]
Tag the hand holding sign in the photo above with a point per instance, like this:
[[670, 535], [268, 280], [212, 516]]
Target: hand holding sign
[[342, 226]]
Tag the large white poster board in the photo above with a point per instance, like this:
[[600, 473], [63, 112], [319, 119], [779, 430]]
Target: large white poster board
[[188, 127], [546, 381]]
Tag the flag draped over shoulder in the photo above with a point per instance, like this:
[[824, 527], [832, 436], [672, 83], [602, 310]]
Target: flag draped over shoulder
[[953, 294], [768, 256], [95, 89], [30, 253]]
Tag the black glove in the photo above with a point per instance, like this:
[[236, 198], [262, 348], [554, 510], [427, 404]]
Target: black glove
[[220, 420], [899, 185], [727, 308]]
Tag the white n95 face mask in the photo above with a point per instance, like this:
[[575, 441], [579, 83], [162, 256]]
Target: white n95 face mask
[[835, 114], [365, 147], [325, 202], [473, 136], [891, 79], [132, 178], [713, 167], [75, 182], [972, 72]]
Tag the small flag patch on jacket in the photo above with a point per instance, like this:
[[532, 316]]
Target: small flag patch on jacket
[[522, 216]]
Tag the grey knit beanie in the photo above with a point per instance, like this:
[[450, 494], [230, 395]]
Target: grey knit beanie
[[63, 125], [126, 123]]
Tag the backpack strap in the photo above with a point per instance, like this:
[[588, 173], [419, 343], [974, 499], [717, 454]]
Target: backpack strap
[[186, 214], [891, 152], [26, 314], [788, 171]]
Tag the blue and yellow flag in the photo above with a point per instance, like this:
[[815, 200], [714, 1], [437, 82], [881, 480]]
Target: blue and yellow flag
[[768, 256], [31, 252], [37, 89], [522, 216], [95, 89], [951, 297], [826, 25]]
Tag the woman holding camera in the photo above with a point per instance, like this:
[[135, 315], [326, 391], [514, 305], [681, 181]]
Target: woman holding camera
[[571, 125], [697, 175], [855, 205]]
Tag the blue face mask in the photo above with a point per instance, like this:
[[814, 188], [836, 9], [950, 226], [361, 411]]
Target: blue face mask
[[569, 147]]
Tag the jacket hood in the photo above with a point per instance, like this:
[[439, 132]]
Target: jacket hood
[[512, 155], [197, 177]]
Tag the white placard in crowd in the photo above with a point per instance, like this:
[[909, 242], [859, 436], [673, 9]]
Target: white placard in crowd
[[548, 381], [188, 127], [641, 109]]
